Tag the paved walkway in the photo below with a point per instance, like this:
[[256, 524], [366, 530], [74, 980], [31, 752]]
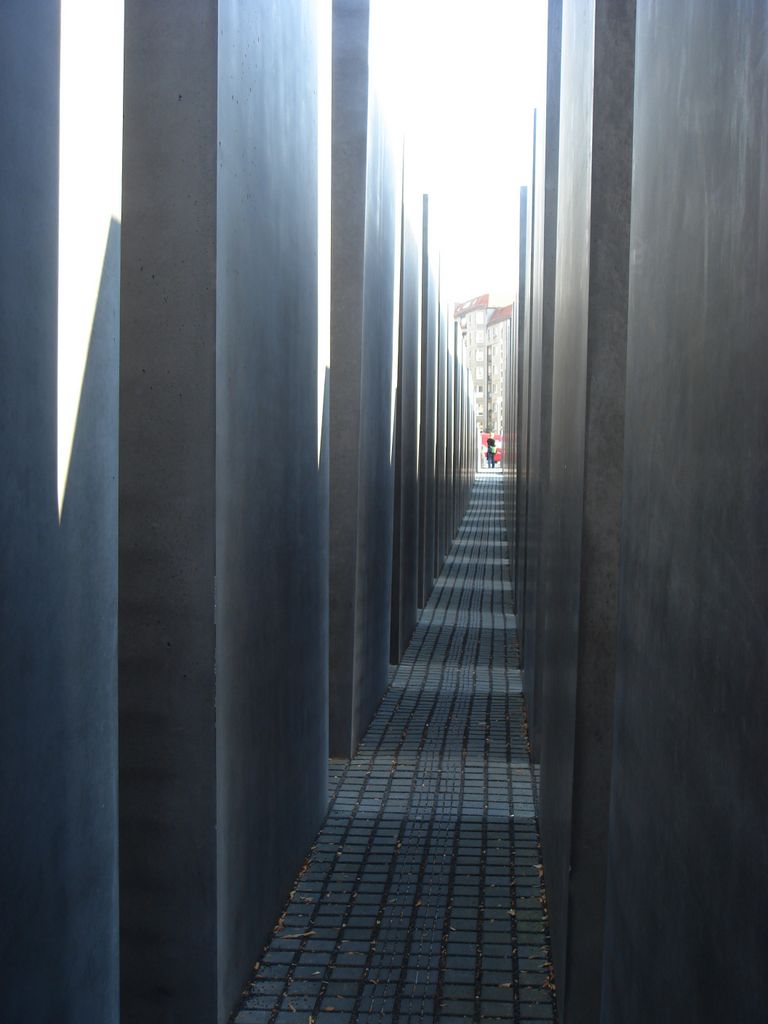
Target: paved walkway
[[421, 899]]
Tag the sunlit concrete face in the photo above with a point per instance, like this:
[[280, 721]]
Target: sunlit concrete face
[[60, 136], [223, 526], [689, 808]]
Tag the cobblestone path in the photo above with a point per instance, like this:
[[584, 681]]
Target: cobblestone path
[[421, 899]]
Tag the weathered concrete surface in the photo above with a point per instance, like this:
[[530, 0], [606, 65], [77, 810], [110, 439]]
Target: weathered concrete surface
[[428, 409], [689, 805], [223, 736], [542, 324], [366, 207], [58, 559], [405, 553], [585, 484]]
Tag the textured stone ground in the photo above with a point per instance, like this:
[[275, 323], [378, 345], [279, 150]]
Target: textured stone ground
[[421, 899]]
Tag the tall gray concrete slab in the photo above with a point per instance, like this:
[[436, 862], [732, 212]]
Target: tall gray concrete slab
[[222, 698], [58, 518], [441, 483], [455, 425], [449, 403], [543, 315], [467, 458], [689, 804], [530, 511], [271, 519], [461, 430], [405, 554], [167, 634], [519, 394], [509, 466], [585, 484], [428, 410], [349, 147], [447, 529], [526, 363], [366, 187], [381, 305]]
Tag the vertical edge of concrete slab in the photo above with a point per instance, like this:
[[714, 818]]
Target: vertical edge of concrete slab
[[59, 323], [440, 435], [510, 438], [586, 470], [518, 494], [381, 287], [366, 213], [428, 411], [405, 578], [544, 326], [526, 390]]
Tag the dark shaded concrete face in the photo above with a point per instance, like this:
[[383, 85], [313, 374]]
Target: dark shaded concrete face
[[58, 565], [689, 842], [223, 546]]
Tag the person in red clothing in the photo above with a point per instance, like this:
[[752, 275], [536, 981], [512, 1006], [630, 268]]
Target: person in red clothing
[[491, 452]]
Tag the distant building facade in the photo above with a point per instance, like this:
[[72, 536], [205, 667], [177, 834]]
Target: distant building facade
[[485, 331]]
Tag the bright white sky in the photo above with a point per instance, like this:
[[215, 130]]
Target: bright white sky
[[479, 72]]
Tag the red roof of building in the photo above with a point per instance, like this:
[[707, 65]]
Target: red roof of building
[[479, 302], [500, 315]]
